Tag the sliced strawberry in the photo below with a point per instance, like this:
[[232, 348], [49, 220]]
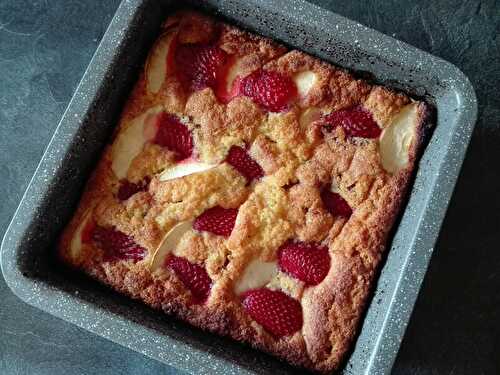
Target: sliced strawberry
[[174, 135], [200, 65], [117, 245], [127, 188], [193, 276], [308, 262], [335, 204], [239, 159], [271, 90], [356, 121], [277, 312], [217, 220]]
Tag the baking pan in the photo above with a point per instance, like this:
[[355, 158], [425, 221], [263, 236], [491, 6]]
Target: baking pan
[[28, 261]]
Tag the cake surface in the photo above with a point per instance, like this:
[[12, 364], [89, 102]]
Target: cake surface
[[249, 190]]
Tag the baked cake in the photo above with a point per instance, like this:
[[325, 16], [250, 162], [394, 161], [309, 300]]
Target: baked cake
[[249, 190]]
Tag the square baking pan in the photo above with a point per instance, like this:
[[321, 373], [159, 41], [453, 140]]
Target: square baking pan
[[27, 258]]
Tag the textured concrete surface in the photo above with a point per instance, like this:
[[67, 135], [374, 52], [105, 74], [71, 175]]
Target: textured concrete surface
[[44, 49]]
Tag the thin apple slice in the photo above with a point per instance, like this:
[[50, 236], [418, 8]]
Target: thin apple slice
[[256, 275], [169, 243], [305, 81], [159, 61], [130, 142], [397, 139], [76, 241], [185, 168]]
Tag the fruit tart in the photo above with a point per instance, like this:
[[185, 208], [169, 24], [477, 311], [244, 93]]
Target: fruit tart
[[249, 190]]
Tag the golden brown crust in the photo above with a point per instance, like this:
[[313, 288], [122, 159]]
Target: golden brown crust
[[298, 158]]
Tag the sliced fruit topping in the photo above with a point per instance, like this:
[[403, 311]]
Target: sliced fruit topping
[[335, 204], [277, 312], [117, 245], [169, 244], [305, 81], [193, 276], [256, 275], [130, 141], [200, 65], [83, 234], [396, 141], [185, 168], [308, 262], [217, 220], [174, 135], [239, 159], [160, 61], [127, 188], [271, 90], [356, 121], [228, 84]]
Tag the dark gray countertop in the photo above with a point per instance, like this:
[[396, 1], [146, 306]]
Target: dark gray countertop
[[45, 46]]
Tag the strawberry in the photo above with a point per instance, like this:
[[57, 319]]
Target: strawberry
[[274, 310], [217, 220], [272, 90], [174, 135], [335, 204], [308, 262], [193, 276], [239, 159], [117, 245], [127, 188], [200, 65], [356, 121]]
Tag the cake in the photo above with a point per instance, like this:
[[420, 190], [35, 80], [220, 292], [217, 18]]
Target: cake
[[249, 190]]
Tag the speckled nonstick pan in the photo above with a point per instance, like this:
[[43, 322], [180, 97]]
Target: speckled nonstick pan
[[28, 262]]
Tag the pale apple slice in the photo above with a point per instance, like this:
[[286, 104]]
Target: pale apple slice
[[397, 139], [256, 275], [185, 168], [304, 81], [157, 63], [76, 242], [130, 141], [169, 243]]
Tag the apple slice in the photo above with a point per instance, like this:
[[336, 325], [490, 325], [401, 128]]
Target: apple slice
[[185, 168], [256, 275], [169, 243], [235, 70], [305, 81], [160, 60], [130, 141], [77, 241], [397, 139]]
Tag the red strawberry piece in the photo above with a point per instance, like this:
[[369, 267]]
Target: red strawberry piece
[[217, 220], [200, 65], [127, 188], [239, 159], [174, 135], [117, 245], [277, 312], [335, 204], [308, 262], [270, 89], [356, 121], [193, 276]]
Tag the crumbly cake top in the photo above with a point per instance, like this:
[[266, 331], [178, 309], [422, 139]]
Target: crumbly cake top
[[249, 190]]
